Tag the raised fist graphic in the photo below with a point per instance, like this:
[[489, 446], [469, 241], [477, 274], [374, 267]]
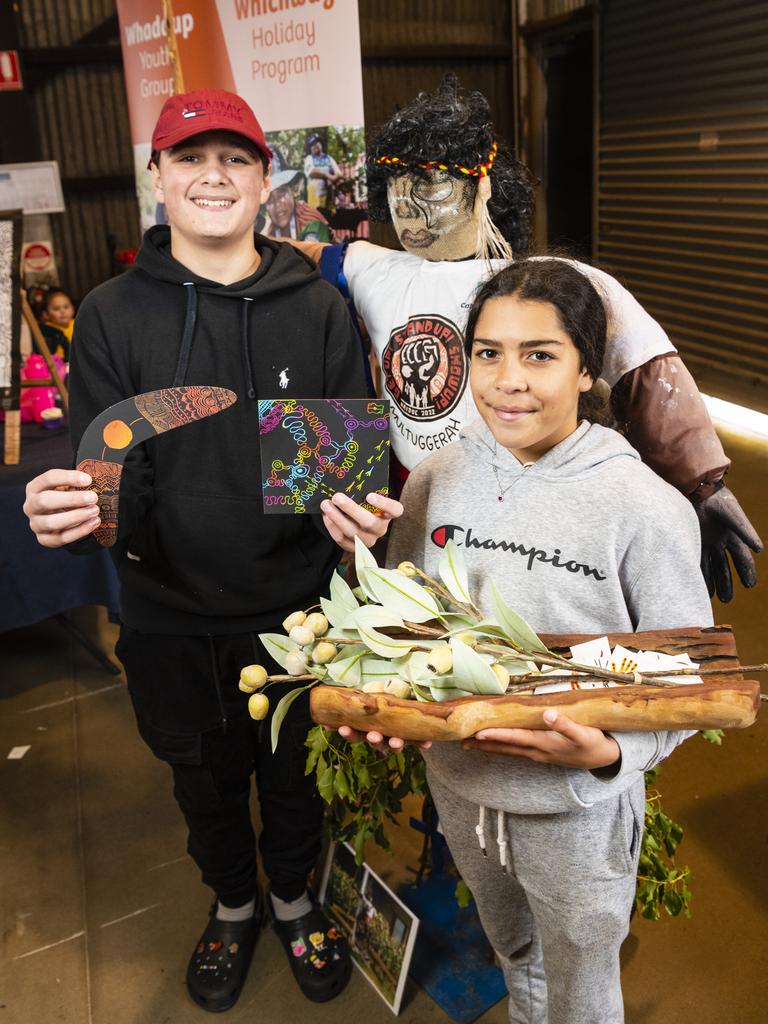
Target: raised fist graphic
[[419, 363]]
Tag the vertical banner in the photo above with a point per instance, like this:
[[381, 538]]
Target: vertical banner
[[296, 62], [10, 308]]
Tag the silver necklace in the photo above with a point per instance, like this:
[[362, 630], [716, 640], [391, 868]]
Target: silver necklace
[[495, 468]]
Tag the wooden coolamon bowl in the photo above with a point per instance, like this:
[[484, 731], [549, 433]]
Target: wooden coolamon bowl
[[728, 702]]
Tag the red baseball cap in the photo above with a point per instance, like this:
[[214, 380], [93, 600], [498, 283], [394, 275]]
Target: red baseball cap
[[207, 110]]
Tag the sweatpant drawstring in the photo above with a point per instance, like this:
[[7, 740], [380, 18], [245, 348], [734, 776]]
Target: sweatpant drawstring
[[480, 830], [501, 839]]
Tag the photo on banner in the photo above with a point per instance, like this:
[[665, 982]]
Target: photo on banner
[[318, 185], [298, 67]]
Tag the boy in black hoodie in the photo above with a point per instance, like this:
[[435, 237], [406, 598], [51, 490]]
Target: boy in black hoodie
[[202, 569]]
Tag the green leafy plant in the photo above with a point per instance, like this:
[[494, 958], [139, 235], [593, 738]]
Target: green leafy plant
[[661, 884], [364, 790]]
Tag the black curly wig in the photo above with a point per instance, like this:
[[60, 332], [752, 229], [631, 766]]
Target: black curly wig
[[453, 126]]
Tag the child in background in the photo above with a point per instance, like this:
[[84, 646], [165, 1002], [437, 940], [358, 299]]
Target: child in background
[[57, 321], [565, 517]]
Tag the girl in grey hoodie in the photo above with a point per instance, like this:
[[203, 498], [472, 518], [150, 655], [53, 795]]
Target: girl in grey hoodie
[[580, 536]]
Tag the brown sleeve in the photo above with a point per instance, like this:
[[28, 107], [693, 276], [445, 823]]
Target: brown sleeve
[[659, 409], [311, 249]]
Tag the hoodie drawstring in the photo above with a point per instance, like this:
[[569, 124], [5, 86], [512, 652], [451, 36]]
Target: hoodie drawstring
[[187, 337], [217, 682], [501, 836], [190, 320], [246, 351]]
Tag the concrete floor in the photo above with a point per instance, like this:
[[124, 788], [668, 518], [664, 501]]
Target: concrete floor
[[101, 907]]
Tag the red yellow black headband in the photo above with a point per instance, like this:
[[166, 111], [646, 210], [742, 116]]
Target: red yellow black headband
[[480, 170]]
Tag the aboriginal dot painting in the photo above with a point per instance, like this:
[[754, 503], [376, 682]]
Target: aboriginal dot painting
[[313, 448]]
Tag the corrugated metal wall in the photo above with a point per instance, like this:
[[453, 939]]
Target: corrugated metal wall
[[532, 11], [683, 175], [82, 119]]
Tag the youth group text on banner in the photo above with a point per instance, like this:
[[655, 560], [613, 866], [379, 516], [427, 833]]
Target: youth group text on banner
[[297, 63]]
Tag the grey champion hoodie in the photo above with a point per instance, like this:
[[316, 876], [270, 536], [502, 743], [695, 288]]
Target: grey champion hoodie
[[586, 540]]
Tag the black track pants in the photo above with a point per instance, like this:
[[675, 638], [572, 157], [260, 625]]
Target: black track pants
[[192, 715]]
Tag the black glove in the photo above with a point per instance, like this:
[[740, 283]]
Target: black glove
[[725, 529]]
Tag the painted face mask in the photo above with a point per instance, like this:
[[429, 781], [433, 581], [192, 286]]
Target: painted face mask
[[434, 214]]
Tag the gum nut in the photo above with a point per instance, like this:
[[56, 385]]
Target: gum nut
[[294, 619], [318, 623], [440, 659], [324, 652], [296, 663], [258, 706], [375, 686], [253, 676], [468, 638], [302, 635], [501, 673], [407, 568], [398, 688]]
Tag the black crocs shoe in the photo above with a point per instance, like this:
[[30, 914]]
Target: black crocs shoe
[[318, 954], [219, 965]]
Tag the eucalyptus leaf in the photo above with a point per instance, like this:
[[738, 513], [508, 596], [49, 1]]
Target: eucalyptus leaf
[[458, 621], [342, 634], [279, 646], [377, 669], [282, 710], [347, 671], [414, 668], [341, 593], [402, 595], [334, 612], [471, 673], [515, 627], [367, 618], [453, 573], [422, 693], [364, 561], [442, 692]]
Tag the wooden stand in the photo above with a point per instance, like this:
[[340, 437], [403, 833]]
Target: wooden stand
[[728, 702]]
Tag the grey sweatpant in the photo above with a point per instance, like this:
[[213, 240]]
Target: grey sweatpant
[[558, 917]]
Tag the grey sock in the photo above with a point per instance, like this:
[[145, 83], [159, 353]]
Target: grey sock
[[236, 913], [289, 910]]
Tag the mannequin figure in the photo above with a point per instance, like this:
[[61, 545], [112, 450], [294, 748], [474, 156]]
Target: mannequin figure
[[461, 205]]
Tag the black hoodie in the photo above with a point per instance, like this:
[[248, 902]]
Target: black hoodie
[[195, 553]]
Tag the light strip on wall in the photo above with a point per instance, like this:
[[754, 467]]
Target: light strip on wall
[[737, 417]]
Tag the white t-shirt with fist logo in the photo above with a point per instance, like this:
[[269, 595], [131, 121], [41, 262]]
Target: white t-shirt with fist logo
[[416, 312]]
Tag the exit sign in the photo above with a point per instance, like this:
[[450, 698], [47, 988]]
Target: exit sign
[[10, 70]]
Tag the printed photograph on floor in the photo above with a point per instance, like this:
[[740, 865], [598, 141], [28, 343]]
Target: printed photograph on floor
[[380, 929]]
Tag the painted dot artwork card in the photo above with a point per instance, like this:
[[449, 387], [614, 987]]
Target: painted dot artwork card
[[313, 447]]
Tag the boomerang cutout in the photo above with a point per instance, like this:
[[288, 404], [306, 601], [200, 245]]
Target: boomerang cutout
[[111, 435]]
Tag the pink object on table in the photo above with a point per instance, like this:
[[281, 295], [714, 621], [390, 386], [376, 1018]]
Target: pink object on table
[[35, 400]]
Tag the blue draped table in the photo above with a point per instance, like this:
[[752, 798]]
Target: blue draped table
[[37, 583]]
